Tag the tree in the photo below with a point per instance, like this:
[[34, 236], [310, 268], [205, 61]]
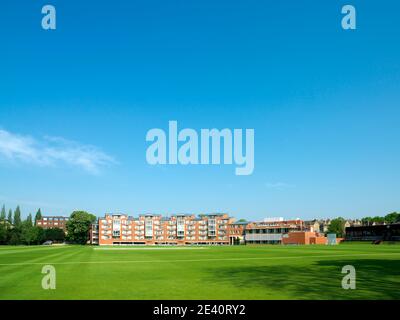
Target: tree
[[9, 217], [378, 220], [29, 220], [38, 216], [3, 233], [54, 234], [366, 221], [392, 217], [78, 226], [3, 213], [38, 235], [27, 234], [337, 226], [15, 236], [17, 217]]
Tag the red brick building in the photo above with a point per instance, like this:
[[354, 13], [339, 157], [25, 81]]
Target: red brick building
[[49, 222], [304, 237], [154, 229]]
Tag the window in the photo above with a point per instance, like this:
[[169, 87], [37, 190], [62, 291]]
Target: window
[[149, 227], [116, 227]]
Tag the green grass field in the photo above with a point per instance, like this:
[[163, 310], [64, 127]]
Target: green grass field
[[236, 272]]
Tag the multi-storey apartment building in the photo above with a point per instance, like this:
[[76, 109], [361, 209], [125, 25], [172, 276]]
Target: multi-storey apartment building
[[271, 231], [48, 222], [236, 232], [153, 229]]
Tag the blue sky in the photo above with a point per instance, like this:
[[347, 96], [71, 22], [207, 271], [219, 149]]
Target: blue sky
[[324, 104]]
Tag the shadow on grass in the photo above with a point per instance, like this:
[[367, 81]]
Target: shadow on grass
[[375, 279]]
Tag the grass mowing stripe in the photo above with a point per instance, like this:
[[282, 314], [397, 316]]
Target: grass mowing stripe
[[33, 249], [200, 260], [147, 248], [230, 272], [16, 273]]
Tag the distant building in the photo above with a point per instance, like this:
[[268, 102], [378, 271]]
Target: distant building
[[304, 237], [312, 226], [389, 232], [237, 232], [48, 222], [271, 232], [324, 225], [154, 229], [273, 219]]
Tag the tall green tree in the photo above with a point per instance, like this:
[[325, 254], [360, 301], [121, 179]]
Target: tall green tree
[[3, 233], [38, 216], [27, 232], [15, 236], [337, 226], [29, 220], [17, 217], [78, 226], [3, 213], [38, 235], [9, 217]]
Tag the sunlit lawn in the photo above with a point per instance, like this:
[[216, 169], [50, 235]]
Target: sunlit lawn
[[235, 272]]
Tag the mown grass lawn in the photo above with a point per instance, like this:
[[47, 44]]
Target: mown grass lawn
[[236, 272]]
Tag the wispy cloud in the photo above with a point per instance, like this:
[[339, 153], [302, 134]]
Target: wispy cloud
[[278, 185], [52, 151]]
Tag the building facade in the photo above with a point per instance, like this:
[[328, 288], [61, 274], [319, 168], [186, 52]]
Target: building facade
[[154, 229], [389, 233], [237, 232], [304, 238], [49, 222], [271, 232]]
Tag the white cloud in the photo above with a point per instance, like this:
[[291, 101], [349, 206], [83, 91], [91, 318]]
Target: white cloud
[[51, 151]]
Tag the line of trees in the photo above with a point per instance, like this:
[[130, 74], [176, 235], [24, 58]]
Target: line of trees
[[15, 231], [390, 218], [338, 225]]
